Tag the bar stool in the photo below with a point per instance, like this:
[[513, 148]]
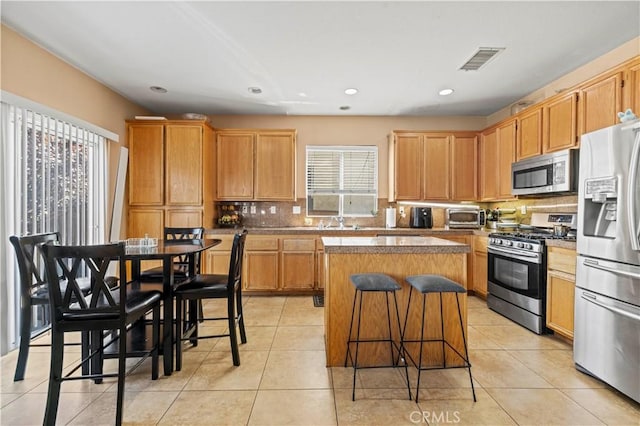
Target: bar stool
[[427, 284], [374, 283]]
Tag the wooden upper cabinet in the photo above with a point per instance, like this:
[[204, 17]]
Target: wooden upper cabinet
[[506, 156], [464, 162], [275, 172], [560, 123], [145, 222], [600, 103], [529, 142], [437, 175], [235, 166], [146, 164], [489, 165], [183, 150], [256, 164], [408, 164]]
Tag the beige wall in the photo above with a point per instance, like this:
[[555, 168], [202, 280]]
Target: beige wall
[[29, 71], [348, 130], [609, 60]]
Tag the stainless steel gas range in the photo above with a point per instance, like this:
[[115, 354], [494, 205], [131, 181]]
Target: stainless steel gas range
[[517, 269]]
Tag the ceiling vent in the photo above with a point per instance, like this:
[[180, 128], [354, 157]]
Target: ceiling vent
[[480, 58]]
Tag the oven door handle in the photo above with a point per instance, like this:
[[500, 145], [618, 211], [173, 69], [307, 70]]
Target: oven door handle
[[527, 257], [596, 265], [593, 299]]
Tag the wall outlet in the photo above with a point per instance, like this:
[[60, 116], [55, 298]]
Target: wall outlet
[[523, 209], [244, 209], [253, 209], [401, 211], [297, 210], [272, 209]]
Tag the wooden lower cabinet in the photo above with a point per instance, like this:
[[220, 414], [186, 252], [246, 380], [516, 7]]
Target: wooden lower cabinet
[[217, 259], [261, 263], [297, 261], [480, 268], [561, 280]]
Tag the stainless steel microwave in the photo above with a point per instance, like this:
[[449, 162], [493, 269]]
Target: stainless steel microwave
[[546, 174]]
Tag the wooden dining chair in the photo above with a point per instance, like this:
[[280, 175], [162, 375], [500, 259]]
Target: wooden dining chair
[[214, 286], [34, 291], [180, 263], [99, 313]]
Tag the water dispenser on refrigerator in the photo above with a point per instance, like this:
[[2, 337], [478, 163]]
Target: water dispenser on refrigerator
[[600, 207]]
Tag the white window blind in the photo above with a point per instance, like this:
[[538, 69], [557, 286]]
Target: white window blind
[[54, 179], [342, 180]]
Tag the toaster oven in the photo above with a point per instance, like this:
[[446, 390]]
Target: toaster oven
[[465, 218]]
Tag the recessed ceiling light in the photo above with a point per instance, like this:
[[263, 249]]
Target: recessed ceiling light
[[445, 92], [158, 89], [345, 107], [255, 90], [351, 91]]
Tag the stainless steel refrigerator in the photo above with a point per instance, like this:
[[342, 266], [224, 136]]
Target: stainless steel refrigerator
[[607, 298]]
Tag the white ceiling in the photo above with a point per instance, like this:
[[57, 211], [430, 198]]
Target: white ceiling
[[398, 54]]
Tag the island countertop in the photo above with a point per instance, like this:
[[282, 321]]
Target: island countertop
[[392, 245]]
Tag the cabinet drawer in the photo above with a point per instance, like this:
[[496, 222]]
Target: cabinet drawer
[[225, 245], [261, 243], [480, 243], [298, 245], [561, 259]]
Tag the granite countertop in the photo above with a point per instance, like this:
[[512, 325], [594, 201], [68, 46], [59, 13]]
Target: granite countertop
[[293, 230], [392, 245]]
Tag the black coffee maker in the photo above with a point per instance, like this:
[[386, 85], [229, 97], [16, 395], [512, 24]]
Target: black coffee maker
[[421, 217]]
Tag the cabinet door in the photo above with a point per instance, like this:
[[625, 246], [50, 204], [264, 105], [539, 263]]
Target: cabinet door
[[297, 263], [480, 271], [464, 164], [216, 262], [183, 218], [275, 159], [506, 156], [489, 165], [529, 141], [437, 174], [464, 240], [560, 301], [235, 166], [145, 221], [183, 164], [408, 167], [600, 103], [320, 269], [261, 270], [560, 123], [146, 164]]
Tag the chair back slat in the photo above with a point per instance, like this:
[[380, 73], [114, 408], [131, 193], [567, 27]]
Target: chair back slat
[[237, 254], [30, 261], [184, 234], [74, 261]]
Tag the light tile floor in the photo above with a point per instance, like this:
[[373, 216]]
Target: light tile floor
[[520, 378]]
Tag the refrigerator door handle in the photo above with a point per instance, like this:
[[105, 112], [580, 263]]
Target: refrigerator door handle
[[593, 299], [631, 187], [595, 264]]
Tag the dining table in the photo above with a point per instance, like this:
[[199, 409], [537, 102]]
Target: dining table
[[167, 251]]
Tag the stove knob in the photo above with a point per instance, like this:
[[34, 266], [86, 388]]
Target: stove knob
[[528, 246], [519, 244], [508, 243], [498, 241]]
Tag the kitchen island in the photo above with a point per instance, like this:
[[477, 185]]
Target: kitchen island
[[397, 257]]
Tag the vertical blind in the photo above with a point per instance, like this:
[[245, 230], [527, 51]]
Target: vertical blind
[[60, 179]]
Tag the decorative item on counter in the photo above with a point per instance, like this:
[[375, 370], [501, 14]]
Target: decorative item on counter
[[628, 115], [229, 216]]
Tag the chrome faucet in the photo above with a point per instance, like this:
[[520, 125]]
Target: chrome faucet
[[338, 219]]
